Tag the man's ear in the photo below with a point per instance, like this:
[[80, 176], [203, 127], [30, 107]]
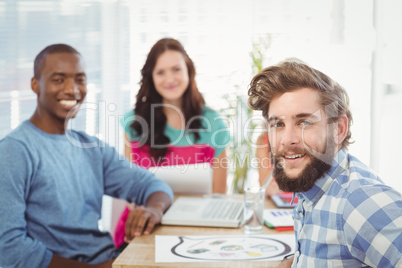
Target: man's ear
[[35, 85], [341, 129]]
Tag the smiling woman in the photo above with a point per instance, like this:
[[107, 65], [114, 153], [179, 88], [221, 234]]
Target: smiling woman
[[171, 80], [170, 124]]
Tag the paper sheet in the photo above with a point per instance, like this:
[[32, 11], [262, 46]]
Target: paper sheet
[[223, 248], [278, 217]]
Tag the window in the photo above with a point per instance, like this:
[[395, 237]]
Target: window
[[97, 29]]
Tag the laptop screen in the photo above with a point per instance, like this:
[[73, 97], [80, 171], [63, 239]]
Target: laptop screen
[[186, 179], [205, 211]]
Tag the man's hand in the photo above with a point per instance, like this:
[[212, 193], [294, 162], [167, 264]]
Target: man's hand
[[142, 220]]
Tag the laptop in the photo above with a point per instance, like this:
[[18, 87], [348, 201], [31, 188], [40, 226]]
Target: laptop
[[205, 212], [186, 179]]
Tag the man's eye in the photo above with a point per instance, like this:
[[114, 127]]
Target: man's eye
[[305, 123], [81, 80], [177, 69], [276, 124], [58, 80]]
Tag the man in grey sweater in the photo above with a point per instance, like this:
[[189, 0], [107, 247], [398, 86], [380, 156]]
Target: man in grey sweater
[[53, 179]]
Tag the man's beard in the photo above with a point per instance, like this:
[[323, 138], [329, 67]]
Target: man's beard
[[310, 174]]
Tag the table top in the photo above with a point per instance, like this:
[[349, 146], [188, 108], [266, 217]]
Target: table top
[[141, 251]]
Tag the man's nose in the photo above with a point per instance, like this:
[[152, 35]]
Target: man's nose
[[71, 87], [291, 135]]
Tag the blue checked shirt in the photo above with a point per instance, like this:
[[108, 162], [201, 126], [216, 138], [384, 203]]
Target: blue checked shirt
[[348, 219]]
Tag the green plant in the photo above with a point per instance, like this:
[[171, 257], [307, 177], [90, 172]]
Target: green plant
[[258, 54], [241, 149]]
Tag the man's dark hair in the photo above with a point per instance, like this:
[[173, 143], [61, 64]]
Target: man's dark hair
[[56, 48]]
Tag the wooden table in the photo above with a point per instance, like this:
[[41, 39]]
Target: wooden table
[[141, 251]]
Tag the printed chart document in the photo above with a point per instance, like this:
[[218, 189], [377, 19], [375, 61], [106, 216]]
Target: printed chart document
[[223, 248], [281, 219]]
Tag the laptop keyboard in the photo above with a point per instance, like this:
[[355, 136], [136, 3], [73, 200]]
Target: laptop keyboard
[[222, 209]]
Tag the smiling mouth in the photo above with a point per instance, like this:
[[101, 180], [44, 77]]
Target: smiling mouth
[[295, 156], [68, 103]]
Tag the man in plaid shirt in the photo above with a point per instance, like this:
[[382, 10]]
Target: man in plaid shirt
[[346, 216]]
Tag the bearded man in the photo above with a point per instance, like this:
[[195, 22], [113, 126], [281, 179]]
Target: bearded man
[[346, 216]]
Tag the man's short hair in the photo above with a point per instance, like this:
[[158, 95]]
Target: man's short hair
[[293, 74], [56, 48]]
